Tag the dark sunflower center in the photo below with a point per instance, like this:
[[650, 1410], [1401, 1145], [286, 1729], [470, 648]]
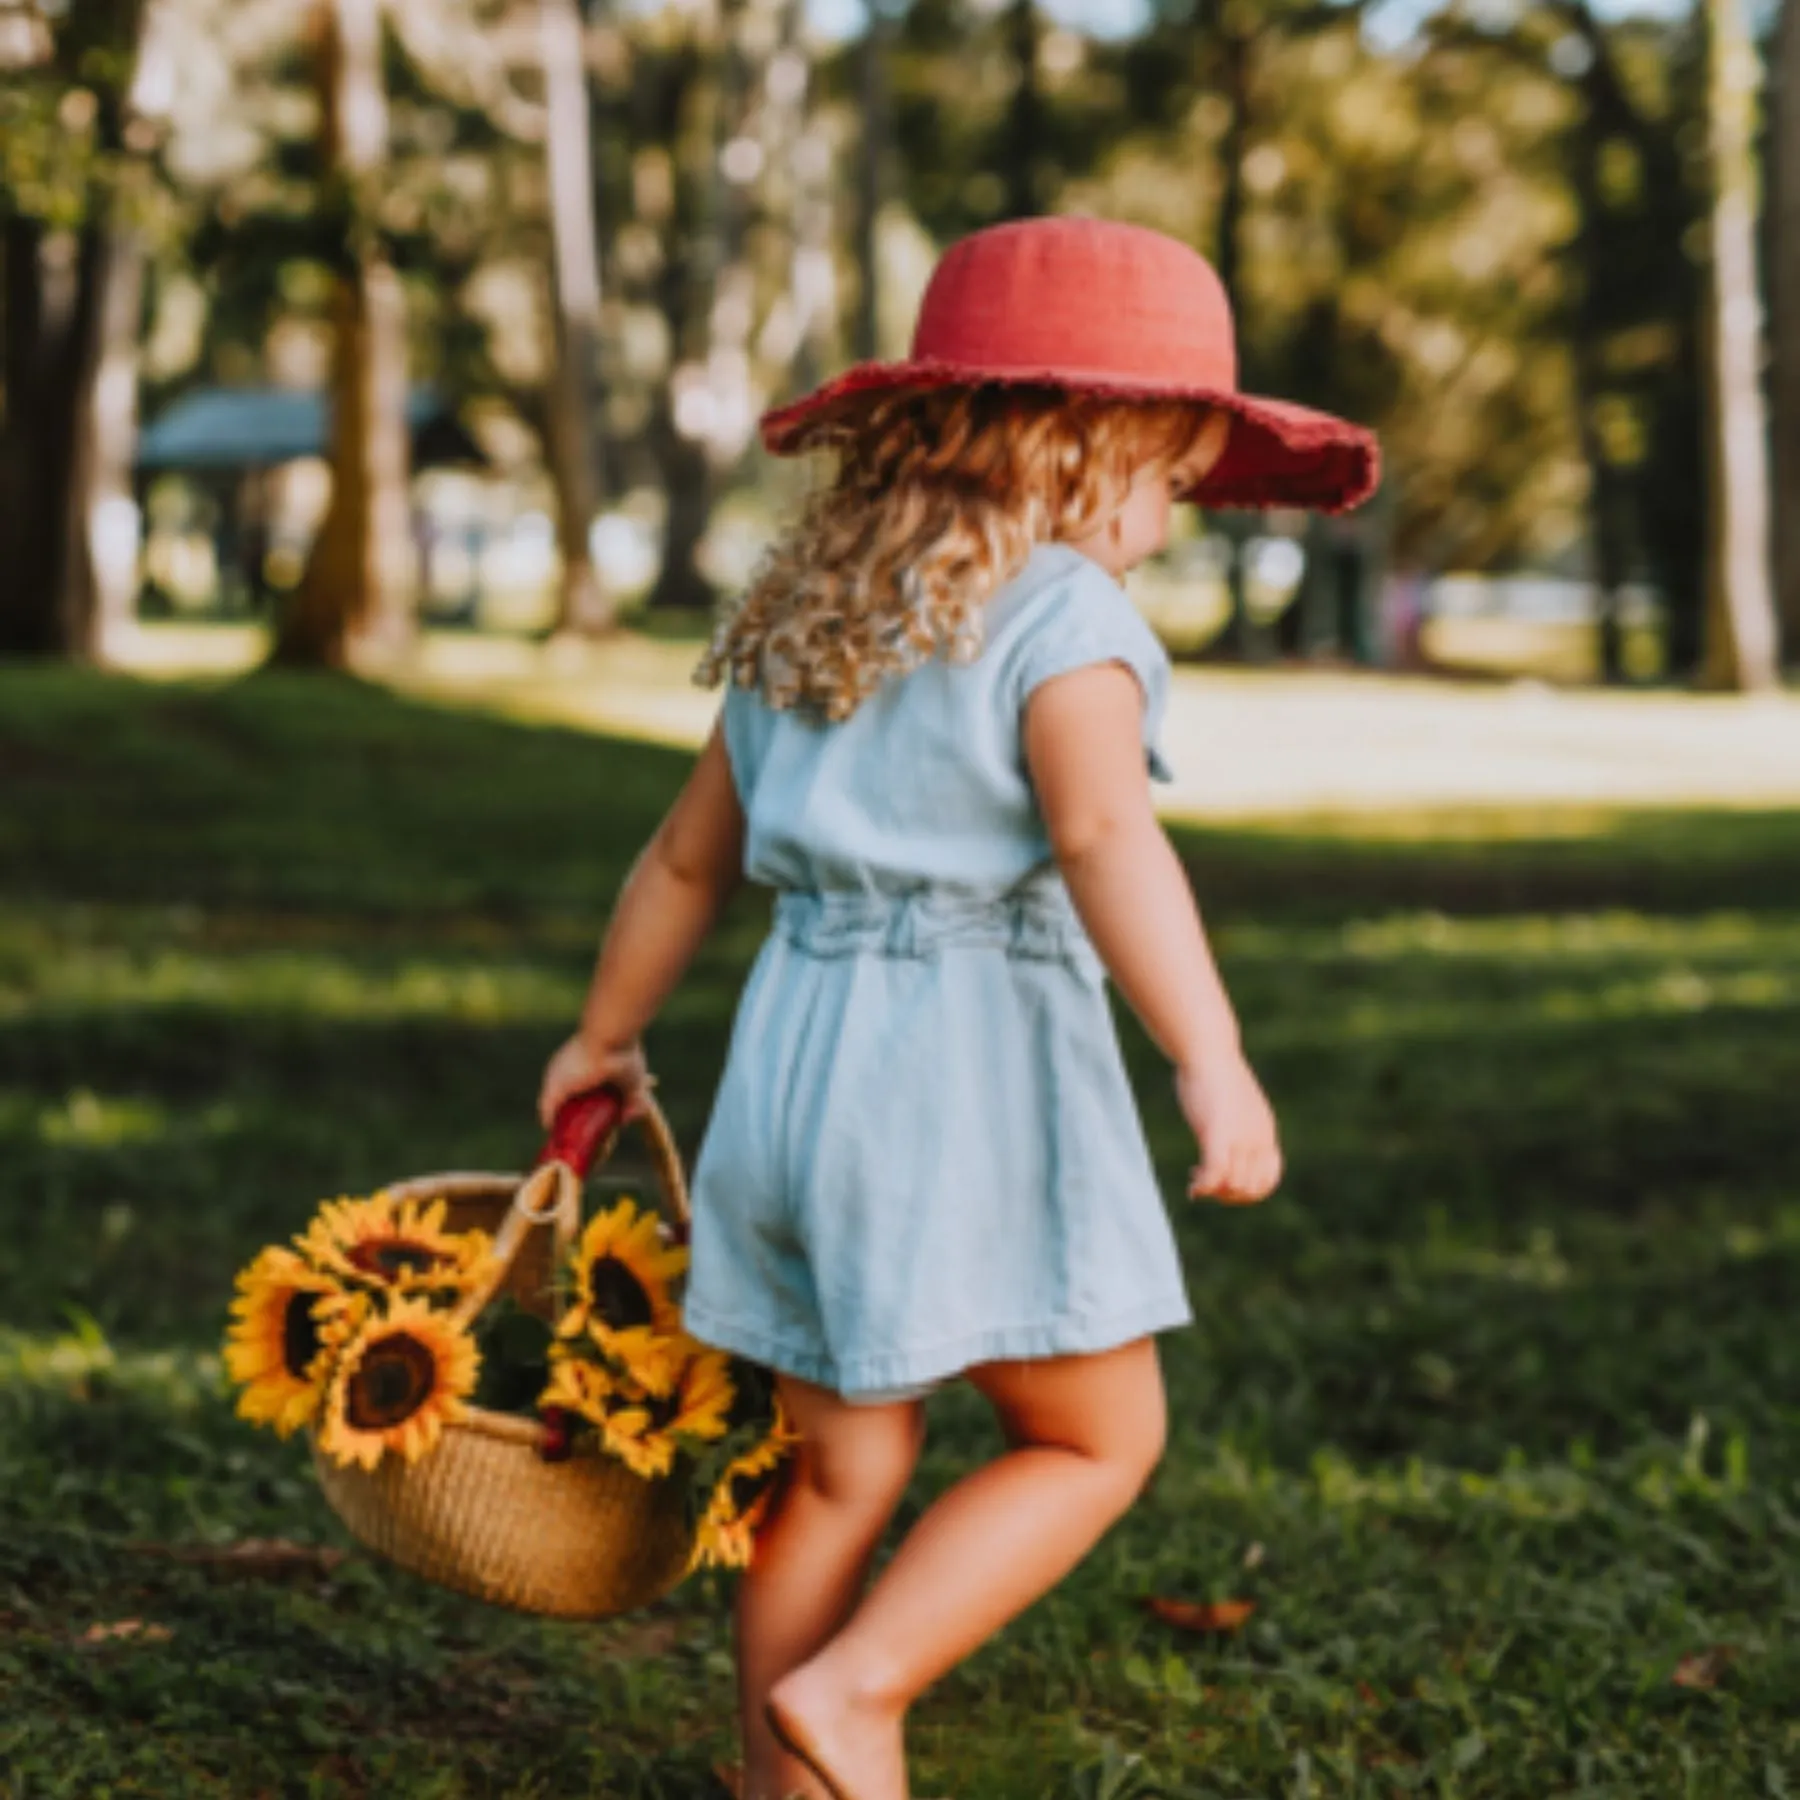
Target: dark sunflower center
[[300, 1340], [663, 1409], [619, 1297], [391, 1257], [397, 1376], [750, 1394], [746, 1490]]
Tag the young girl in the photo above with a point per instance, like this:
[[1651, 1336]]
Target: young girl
[[924, 1160]]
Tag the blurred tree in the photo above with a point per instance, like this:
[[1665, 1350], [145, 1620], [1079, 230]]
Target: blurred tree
[[572, 403], [1022, 135], [460, 212], [1740, 613], [874, 137], [71, 152], [716, 170], [686, 109], [1478, 244], [1393, 261], [357, 589], [1785, 316], [1629, 304]]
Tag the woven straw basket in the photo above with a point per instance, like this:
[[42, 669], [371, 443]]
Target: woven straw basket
[[482, 1512]]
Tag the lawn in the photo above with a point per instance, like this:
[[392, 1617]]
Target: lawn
[[1493, 1412]]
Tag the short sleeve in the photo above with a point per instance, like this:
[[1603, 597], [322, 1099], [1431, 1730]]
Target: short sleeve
[[746, 723], [1088, 618]]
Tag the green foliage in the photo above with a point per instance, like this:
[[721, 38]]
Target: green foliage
[[1418, 247], [515, 1356], [1491, 1410]]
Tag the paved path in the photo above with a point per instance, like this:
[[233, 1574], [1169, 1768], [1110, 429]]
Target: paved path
[[1243, 745]]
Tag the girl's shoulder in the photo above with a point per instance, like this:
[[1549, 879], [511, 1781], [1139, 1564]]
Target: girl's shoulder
[[1069, 612], [1062, 610]]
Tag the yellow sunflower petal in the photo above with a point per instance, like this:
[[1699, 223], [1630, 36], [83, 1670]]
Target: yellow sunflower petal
[[579, 1387], [653, 1359], [400, 1246], [285, 1322], [623, 1274], [739, 1504]]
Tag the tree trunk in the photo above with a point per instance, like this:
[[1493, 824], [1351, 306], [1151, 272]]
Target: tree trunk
[[1023, 143], [572, 403], [1785, 288], [698, 266], [1609, 487], [1242, 640], [54, 306], [688, 482], [356, 594], [865, 343], [1740, 649], [104, 558], [800, 148]]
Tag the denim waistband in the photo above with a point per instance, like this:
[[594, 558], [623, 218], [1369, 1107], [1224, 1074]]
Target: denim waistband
[[1032, 922]]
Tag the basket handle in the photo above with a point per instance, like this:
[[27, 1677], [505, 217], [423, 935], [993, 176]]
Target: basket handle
[[582, 1134], [586, 1127], [550, 1194]]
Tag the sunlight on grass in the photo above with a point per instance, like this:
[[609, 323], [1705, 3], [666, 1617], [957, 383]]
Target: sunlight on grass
[[1540, 1264], [1695, 1468], [1488, 1411], [1671, 993], [1473, 824], [316, 983], [1520, 937], [71, 1362], [86, 1118]]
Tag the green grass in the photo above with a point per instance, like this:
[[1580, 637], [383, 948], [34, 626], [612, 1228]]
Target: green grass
[[1494, 1411]]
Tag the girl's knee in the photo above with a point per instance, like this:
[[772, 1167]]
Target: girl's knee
[[863, 1469], [1110, 1409], [1144, 1439]]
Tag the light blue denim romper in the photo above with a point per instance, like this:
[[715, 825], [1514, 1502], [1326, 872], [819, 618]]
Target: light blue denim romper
[[924, 1152]]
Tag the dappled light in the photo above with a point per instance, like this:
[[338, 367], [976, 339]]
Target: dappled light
[[1486, 1405], [408, 407]]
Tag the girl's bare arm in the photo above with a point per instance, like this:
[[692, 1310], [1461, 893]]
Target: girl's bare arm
[[1083, 745], [1085, 752], [677, 888]]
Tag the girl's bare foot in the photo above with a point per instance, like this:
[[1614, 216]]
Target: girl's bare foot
[[787, 1778], [851, 1742]]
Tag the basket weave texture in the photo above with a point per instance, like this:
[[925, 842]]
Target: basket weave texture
[[482, 1512]]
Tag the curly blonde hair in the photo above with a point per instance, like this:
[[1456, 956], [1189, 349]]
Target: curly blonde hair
[[937, 500]]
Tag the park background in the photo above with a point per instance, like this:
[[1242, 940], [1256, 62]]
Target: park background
[[378, 388]]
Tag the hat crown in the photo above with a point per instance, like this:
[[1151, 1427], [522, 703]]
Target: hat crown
[[1082, 297]]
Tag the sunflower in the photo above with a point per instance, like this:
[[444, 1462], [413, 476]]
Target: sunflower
[[579, 1386], [644, 1430], [622, 1296], [286, 1318], [613, 1405], [400, 1245], [741, 1501], [397, 1383]]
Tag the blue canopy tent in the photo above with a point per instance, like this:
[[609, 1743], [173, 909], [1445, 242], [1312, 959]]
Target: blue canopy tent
[[226, 438], [236, 428]]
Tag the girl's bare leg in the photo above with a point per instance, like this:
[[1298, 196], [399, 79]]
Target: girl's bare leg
[[1085, 1431], [812, 1557]]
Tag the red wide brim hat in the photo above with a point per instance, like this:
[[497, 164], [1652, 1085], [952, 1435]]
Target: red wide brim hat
[[1099, 306]]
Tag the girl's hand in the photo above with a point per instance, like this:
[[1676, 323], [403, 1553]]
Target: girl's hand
[[580, 1065], [1240, 1159]]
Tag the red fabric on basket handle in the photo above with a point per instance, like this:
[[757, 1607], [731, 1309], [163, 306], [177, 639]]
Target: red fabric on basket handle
[[582, 1133], [584, 1125]]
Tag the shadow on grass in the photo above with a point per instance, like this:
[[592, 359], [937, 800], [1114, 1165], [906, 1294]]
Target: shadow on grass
[[1491, 1409]]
